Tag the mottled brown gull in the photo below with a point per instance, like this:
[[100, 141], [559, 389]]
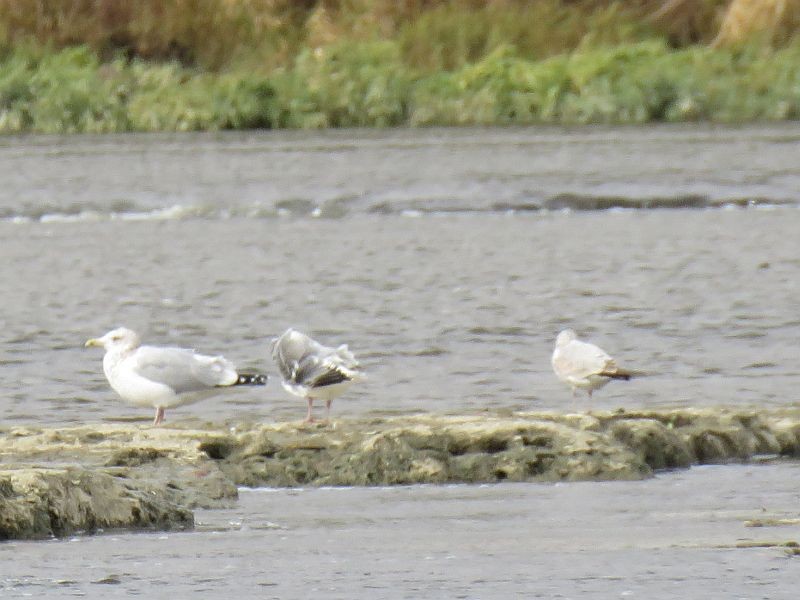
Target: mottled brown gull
[[311, 370], [582, 365], [164, 377]]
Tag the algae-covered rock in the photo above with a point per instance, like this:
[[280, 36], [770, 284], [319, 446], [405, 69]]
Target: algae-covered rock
[[57, 481], [787, 435], [657, 445], [36, 503], [433, 450], [490, 448]]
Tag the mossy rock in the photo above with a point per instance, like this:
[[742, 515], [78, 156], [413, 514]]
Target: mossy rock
[[39, 503], [656, 445]]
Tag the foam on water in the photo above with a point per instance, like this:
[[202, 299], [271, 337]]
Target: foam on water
[[344, 174], [179, 212]]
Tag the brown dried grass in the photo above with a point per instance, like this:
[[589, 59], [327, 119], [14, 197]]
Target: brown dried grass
[[687, 21], [206, 32], [265, 34], [773, 22]]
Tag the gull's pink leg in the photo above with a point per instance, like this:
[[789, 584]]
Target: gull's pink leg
[[159, 415], [328, 409], [309, 418]]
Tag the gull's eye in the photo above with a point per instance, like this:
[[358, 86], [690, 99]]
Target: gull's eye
[[116, 338]]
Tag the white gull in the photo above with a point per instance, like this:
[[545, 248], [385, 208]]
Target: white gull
[[582, 365], [164, 377]]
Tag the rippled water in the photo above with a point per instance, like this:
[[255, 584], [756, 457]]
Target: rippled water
[[453, 310], [448, 260], [675, 536]]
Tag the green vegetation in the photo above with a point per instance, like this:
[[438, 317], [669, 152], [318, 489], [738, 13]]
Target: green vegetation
[[111, 65], [71, 91]]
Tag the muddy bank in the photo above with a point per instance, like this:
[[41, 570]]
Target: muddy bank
[[59, 481]]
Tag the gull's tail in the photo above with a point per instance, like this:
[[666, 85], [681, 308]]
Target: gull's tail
[[619, 374], [251, 379]]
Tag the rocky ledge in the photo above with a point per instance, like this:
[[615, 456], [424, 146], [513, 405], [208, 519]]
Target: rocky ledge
[[82, 479], [41, 502]]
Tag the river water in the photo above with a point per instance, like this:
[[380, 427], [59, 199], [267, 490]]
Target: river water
[[680, 535], [447, 259]]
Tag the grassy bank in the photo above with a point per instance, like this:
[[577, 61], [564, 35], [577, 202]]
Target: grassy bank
[[114, 65], [354, 84]]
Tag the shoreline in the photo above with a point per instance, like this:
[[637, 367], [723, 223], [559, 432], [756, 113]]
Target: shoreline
[[61, 481]]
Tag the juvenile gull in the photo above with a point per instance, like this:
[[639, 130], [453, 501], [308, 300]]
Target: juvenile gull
[[164, 377], [311, 370], [582, 365]]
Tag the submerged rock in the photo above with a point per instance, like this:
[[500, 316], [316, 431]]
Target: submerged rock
[[59, 481]]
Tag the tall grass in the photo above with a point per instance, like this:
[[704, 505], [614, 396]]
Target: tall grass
[[774, 22], [368, 84], [448, 37], [628, 84], [71, 91], [148, 65], [207, 33], [267, 34], [345, 85]]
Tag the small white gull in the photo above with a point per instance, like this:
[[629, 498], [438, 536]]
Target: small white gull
[[582, 365], [164, 377], [311, 370]]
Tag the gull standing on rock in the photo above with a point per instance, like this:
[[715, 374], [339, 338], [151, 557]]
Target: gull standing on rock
[[582, 365], [311, 370], [164, 377]]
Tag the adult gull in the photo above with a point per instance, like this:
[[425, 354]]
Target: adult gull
[[582, 365], [311, 370], [164, 377]]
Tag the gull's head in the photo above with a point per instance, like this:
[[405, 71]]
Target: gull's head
[[565, 337], [290, 343], [120, 338], [273, 343]]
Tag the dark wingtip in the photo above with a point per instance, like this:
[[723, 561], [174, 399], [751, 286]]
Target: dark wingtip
[[252, 379], [618, 375]]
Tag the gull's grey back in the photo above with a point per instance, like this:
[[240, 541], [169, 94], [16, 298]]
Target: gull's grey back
[[183, 370], [301, 359]]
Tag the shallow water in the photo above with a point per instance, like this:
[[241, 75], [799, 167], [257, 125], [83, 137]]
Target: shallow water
[[445, 260], [672, 536], [210, 241]]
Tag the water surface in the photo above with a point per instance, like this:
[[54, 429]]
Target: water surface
[[672, 536], [402, 244], [448, 260]]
